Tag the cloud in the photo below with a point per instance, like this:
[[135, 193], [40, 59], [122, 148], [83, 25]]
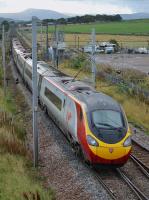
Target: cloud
[[79, 7], [133, 5], [3, 3]]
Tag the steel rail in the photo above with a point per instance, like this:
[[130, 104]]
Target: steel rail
[[133, 187], [110, 192], [142, 147], [141, 165]]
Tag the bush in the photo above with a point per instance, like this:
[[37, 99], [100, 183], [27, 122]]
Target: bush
[[113, 41], [79, 61]]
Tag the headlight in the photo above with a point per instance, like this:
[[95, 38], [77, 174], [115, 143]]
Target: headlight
[[127, 142], [91, 141]]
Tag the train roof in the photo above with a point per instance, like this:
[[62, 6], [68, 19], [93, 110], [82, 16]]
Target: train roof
[[82, 91], [87, 94], [97, 100]]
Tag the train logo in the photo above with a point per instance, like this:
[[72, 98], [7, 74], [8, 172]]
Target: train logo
[[111, 150], [69, 116]]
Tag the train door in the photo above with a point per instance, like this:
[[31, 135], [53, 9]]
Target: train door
[[70, 117]]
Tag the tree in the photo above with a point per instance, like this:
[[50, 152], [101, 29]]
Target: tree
[[61, 21], [6, 25], [113, 41]]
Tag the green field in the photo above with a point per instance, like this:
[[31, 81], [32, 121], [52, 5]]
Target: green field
[[135, 27]]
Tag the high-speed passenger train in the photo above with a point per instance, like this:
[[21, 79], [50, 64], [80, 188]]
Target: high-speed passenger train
[[94, 123]]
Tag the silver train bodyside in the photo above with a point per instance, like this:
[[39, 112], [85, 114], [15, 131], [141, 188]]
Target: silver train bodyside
[[54, 99]]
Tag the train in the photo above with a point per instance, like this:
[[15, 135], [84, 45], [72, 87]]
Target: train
[[94, 123]]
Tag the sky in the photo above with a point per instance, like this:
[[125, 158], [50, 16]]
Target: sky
[[79, 7]]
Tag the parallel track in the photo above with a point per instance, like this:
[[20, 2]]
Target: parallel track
[[141, 165], [137, 192], [133, 187], [140, 156]]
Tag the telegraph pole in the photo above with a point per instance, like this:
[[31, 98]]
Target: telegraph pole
[[47, 42], [75, 41], [93, 58], [41, 38], [78, 42], [56, 49], [4, 59], [56, 46], [34, 90]]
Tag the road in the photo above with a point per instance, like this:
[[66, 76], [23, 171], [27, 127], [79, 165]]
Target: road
[[135, 61]]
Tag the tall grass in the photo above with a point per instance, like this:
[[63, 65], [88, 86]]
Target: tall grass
[[18, 181], [15, 183]]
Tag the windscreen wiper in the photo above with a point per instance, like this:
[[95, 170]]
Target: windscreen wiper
[[107, 125]]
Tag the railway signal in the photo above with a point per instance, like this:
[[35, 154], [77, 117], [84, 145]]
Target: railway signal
[[34, 90]]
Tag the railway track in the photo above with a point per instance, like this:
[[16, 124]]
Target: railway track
[[118, 185], [141, 165], [105, 186], [140, 157], [109, 180], [134, 188]]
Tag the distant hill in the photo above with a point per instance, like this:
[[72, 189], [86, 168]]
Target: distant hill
[[2, 19], [27, 14], [135, 16]]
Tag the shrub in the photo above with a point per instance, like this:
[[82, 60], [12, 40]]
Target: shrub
[[79, 61]]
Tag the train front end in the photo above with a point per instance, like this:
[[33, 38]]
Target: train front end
[[107, 138]]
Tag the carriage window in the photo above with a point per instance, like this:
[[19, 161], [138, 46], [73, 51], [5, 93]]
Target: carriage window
[[29, 73], [53, 98]]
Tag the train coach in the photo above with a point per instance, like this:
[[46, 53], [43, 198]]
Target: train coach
[[94, 123]]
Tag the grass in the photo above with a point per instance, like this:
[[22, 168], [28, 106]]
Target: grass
[[138, 27], [78, 37], [18, 180], [136, 110], [131, 41]]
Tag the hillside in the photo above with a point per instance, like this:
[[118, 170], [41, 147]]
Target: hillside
[[2, 19], [135, 16], [27, 14]]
